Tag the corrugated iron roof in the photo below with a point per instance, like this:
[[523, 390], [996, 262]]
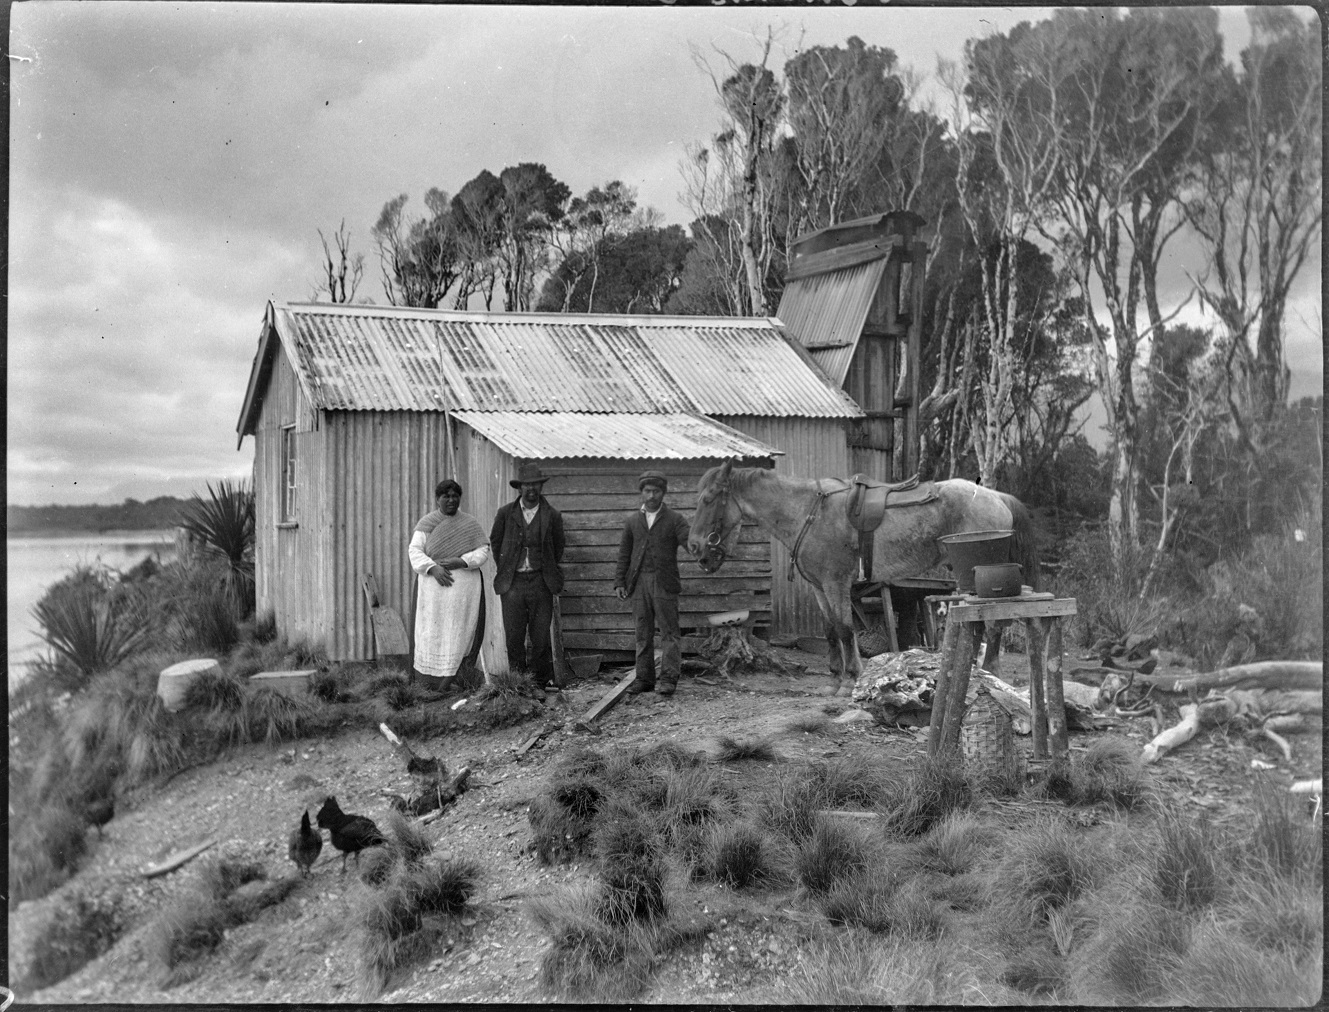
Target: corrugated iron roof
[[827, 311], [366, 358], [549, 435]]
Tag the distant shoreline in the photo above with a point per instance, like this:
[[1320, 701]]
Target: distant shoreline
[[82, 532]]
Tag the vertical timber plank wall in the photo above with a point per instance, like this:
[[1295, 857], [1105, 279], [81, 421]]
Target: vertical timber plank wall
[[595, 497], [813, 448], [870, 381]]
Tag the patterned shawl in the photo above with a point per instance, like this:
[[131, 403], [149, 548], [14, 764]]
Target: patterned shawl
[[451, 536]]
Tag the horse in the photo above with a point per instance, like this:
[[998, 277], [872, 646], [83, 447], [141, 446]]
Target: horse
[[809, 516]]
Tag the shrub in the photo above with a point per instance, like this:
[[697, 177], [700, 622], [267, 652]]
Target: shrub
[[223, 525], [91, 630]]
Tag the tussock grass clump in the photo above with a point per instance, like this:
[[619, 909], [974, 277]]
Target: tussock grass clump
[[854, 780], [331, 686], [377, 865], [670, 755], [588, 960], [1046, 867], [832, 851], [1132, 956], [76, 931], [580, 763], [631, 867], [932, 790], [1277, 915], [1222, 969], [807, 723], [215, 691], [1036, 971], [195, 924], [881, 900], [395, 923], [790, 805], [857, 968], [561, 818], [741, 856], [955, 845], [408, 838], [1186, 862], [45, 848], [1283, 843], [1110, 771], [731, 750]]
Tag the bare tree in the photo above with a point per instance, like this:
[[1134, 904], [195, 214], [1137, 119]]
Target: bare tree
[[737, 184], [1257, 202], [343, 270]]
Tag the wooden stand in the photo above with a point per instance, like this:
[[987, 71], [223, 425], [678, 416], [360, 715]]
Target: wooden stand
[[965, 615]]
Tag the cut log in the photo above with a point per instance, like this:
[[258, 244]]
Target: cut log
[[175, 860], [1284, 675], [1174, 736]]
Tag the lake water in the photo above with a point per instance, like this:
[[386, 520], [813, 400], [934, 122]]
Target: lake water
[[35, 562]]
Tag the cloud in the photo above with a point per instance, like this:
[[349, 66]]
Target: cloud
[[128, 343]]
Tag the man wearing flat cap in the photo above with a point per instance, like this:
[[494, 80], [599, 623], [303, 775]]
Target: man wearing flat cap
[[648, 573], [527, 539]]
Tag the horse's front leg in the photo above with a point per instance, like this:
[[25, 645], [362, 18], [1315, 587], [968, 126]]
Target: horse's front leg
[[992, 631], [840, 633]]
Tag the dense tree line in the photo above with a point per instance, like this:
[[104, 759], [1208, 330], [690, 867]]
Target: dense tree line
[[162, 513], [1079, 154]]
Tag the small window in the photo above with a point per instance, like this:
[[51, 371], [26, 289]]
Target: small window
[[288, 483]]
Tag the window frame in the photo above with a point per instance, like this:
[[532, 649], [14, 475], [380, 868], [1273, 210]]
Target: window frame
[[289, 496]]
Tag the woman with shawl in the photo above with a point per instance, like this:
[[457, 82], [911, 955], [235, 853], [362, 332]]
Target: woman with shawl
[[447, 550]]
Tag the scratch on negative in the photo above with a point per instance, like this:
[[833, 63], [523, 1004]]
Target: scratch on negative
[[15, 56]]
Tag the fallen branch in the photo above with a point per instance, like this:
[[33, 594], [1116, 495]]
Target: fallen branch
[[177, 859], [1260, 675], [1280, 741], [1173, 736]]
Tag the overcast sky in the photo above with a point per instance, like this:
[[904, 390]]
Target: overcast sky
[[170, 163]]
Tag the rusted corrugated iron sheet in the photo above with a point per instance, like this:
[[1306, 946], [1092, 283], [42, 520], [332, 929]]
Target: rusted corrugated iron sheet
[[562, 434], [365, 358], [828, 310]]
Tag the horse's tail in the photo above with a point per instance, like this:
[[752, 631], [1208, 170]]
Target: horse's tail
[[1025, 550]]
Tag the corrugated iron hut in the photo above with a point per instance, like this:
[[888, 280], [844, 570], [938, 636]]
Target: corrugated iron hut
[[853, 298], [358, 410]]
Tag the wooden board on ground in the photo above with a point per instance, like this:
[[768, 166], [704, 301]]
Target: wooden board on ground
[[608, 701], [176, 859], [389, 630]]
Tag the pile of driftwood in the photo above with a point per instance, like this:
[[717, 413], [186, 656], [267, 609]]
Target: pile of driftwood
[[1266, 699]]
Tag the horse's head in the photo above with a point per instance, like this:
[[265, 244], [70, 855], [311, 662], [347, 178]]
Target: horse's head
[[718, 520]]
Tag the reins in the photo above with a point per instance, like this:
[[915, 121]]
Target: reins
[[822, 496]]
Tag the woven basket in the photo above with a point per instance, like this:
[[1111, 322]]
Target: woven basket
[[874, 641], [987, 740]]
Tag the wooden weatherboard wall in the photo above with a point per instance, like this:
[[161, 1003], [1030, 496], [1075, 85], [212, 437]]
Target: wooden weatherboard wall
[[595, 501]]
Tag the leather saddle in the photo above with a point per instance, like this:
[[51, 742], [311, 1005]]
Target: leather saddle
[[869, 500]]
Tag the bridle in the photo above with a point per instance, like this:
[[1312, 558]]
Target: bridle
[[714, 551]]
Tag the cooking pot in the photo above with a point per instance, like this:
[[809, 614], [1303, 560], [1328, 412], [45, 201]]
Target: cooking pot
[[1001, 580]]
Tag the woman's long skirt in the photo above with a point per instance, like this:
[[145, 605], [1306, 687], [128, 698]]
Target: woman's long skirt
[[445, 620]]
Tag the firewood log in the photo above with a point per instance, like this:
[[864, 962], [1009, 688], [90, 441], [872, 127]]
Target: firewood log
[[1283, 675]]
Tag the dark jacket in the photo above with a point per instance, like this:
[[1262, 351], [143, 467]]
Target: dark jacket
[[509, 535], [663, 540]]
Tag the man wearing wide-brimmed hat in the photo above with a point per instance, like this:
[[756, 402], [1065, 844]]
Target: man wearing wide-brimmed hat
[[648, 573], [527, 538]]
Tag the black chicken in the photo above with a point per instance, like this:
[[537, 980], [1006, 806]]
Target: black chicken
[[306, 842], [350, 833], [99, 812]]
